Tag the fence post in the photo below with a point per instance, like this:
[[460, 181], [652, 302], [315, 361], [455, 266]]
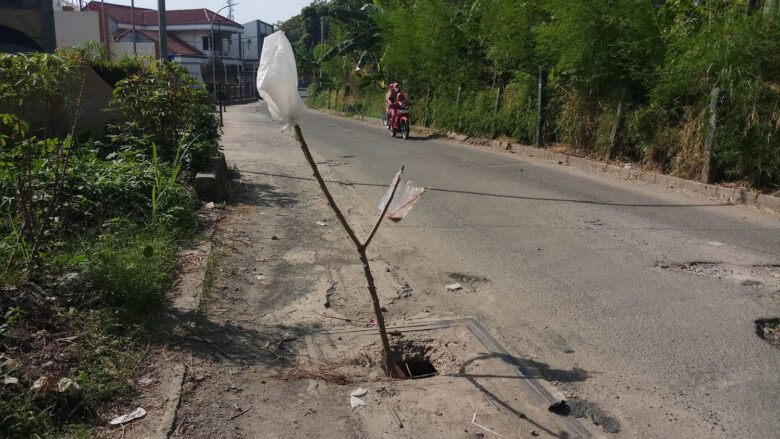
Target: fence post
[[770, 7], [499, 92], [706, 173], [540, 109], [615, 126], [427, 101], [457, 101], [751, 5]]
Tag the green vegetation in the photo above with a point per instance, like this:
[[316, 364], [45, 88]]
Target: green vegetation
[[474, 67], [94, 223]]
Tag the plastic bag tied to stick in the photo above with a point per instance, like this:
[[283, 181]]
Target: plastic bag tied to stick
[[277, 79], [405, 196]]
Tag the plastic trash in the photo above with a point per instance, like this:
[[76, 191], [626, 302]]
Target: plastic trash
[[359, 392], [137, 413], [277, 78], [454, 287], [321, 224], [66, 384], [356, 402], [405, 196]]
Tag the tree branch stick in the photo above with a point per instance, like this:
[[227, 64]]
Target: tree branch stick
[[361, 248], [382, 216], [318, 177]]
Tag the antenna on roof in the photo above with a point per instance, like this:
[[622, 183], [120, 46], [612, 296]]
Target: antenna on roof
[[230, 4]]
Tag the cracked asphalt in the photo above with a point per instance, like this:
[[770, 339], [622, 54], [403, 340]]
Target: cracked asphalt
[[582, 273]]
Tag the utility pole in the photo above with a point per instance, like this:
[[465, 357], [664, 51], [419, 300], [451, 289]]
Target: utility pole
[[230, 4], [162, 31], [132, 21]]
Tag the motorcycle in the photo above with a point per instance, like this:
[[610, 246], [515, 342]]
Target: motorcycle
[[400, 123]]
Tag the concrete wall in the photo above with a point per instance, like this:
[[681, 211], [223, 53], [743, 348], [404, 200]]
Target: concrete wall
[[74, 28], [121, 49], [193, 66], [57, 120], [27, 25]]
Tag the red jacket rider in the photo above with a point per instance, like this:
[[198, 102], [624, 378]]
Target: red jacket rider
[[390, 98]]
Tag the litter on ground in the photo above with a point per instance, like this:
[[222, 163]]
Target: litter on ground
[[137, 413]]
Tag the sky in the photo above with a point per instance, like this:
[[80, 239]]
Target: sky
[[269, 11]]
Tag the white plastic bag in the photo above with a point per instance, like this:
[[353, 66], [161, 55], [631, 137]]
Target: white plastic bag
[[405, 196], [277, 78]]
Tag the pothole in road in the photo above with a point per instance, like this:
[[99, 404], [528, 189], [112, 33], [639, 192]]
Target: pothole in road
[[416, 369], [470, 282], [413, 359], [769, 330], [580, 408]]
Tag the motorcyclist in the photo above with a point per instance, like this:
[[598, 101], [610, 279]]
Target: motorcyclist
[[400, 103], [390, 103]]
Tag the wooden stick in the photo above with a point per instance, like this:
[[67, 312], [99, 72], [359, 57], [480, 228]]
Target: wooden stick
[[380, 320], [331, 317], [241, 413]]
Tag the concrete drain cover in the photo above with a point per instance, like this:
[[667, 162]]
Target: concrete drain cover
[[466, 371]]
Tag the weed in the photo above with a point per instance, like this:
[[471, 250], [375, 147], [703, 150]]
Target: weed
[[209, 279]]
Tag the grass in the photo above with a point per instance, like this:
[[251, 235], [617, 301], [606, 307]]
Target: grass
[[209, 279]]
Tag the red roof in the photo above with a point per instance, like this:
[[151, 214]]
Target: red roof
[[175, 45], [146, 17]]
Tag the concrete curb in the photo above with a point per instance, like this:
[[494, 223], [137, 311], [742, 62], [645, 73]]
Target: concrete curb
[[722, 193]]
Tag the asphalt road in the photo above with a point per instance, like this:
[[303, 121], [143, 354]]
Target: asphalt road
[[639, 300]]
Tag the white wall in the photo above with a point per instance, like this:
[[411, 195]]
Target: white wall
[[74, 28], [122, 49], [193, 66], [195, 38]]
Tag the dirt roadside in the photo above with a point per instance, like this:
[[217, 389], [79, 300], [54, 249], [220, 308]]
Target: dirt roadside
[[284, 333]]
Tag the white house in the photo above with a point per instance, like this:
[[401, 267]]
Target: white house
[[188, 37]]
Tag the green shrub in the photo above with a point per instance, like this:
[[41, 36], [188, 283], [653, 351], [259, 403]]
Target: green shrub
[[163, 105]]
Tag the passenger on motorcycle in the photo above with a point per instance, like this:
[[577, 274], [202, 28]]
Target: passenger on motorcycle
[[390, 103], [400, 103]]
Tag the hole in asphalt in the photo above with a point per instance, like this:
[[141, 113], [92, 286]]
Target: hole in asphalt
[[769, 330], [580, 408], [560, 408]]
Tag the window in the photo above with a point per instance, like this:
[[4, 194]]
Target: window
[[205, 43]]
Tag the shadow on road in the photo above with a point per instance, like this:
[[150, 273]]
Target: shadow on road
[[515, 197], [262, 195], [573, 375]]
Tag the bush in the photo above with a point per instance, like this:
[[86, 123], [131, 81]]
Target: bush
[[163, 105]]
